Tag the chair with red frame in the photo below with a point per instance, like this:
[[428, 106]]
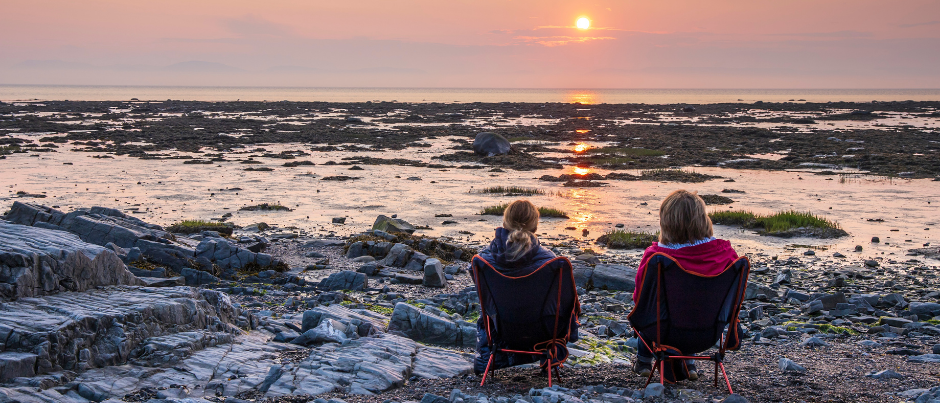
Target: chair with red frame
[[533, 315], [680, 314]]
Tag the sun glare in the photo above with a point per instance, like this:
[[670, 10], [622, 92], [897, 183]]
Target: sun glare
[[584, 23], [581, 147]]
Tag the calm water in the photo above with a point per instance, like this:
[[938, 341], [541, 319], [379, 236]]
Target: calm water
[[587, 96]]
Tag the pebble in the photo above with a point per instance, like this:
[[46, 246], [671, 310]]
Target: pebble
[[813, 342], [885, 374], [787, 365], [735, 398]]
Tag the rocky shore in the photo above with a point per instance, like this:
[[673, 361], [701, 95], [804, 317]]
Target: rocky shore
[[100, 306]]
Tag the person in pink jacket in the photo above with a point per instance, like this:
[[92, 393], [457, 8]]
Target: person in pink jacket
[[686, 234]]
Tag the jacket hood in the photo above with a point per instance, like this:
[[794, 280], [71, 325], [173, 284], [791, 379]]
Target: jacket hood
[[500, 246], [704, 258]]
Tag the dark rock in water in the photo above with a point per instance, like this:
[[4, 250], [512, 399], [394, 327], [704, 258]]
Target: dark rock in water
[[434, 274], [392, 225], [875, 239], [871, 263], [688, 109], [344, 280], [425, 326], [339, 220], [37, 261], [489, 144], [716, 200]]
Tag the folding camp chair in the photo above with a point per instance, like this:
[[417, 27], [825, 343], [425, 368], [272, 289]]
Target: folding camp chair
[[680, 313], [530, 314]]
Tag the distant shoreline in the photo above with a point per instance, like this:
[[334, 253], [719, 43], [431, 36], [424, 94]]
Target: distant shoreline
[[23, 92]]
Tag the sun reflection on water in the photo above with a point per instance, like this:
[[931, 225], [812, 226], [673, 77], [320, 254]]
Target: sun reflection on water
[[582, 97], [581, 171], [581, 147]]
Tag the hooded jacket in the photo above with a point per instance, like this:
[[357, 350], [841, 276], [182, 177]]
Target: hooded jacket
[[708, 259]]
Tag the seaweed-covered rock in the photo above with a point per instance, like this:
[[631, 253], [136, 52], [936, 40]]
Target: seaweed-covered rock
[[489, 144], [392, 225]]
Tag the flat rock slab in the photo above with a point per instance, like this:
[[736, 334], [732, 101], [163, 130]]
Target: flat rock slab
[[366, 366], [38, 261], [427, 327], [76, 331]]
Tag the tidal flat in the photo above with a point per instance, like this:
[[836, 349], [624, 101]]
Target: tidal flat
[[302, 186]]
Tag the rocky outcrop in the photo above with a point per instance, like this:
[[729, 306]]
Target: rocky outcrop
[[132, 238], [344, 280], [76, 331], [39, 261], [431, 327]]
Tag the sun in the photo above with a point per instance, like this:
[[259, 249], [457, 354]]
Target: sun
[[583, 23]]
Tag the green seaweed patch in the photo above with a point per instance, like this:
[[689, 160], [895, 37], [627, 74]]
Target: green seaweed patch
[[623, 239], [823, 328], [197, 226], [547, 212], [782, 224], [259, 169], [265, 207]]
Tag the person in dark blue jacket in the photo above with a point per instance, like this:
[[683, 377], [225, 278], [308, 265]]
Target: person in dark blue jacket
[[515, 251]]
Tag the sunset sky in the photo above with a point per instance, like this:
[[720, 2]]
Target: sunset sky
[[474, 43]]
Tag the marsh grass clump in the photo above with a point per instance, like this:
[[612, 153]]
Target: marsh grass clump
[[783, 224], [623, 239], [265, 207], [197, 226], [512, 190], [543, 211], [675, 175]]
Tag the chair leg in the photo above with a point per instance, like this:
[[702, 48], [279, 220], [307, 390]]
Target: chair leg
[[652, 372], [488, 363], [662, 372], [716, 373], [728, 382]]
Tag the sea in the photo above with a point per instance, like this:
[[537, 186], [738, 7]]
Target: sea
[[20, 93]]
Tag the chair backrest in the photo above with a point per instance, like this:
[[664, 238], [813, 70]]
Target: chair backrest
[[528, 311], [687, 310]]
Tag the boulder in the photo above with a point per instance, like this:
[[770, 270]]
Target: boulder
[[228, 256], [489, 144], [424, 326], [196, 277], [613, 277], [398, 256], [328, 331], [434, 274], [366, 323], [392, 225], [14, 364], [344, 280], [755, 291], [38, 261]]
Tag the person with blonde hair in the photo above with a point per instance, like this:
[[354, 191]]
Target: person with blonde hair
[[685, 234], [515, 252]]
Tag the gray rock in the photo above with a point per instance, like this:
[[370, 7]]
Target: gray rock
[[14, 364], [885, 374], [613, 277], [424, 326], [787, 365], [416, 263], [366, 323], [398, 256], [734, 398], [37, 261], [453, 269], [405, 278], [228, 256], [924, 308], [329, 331], [104, 325], [392, 225], [925, 358], [339, 220], [489, 144], [869, 343], [434, 274], [344, 280], [936, 348], [784, 277], [653, 390], [196, 277], [754, 291], [356, 249], [813, 342], [369, 269]]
